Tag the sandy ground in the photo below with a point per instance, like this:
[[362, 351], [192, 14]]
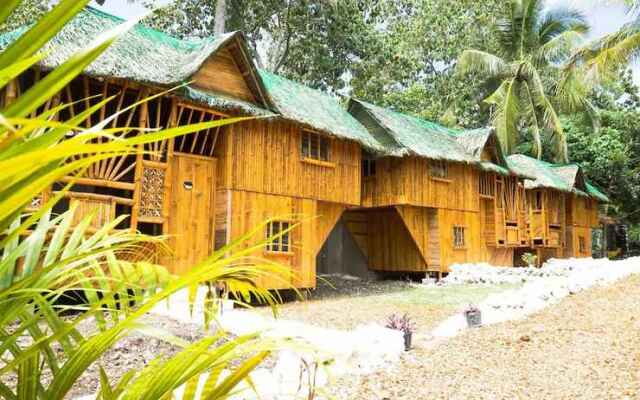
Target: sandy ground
[[585, 347]]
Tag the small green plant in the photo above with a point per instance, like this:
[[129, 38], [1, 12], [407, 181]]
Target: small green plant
[[530, 259]]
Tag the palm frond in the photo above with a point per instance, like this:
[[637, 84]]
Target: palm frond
[[599, 58], [559, 48], [483, 63], [532, 114], [559, 20], [505, 100], [550, 117]]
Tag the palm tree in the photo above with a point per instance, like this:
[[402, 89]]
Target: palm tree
[[534, 42], [602, 58]]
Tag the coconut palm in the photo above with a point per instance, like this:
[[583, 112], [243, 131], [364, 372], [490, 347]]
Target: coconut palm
[[44, 256], [534, 41], [602, 58]]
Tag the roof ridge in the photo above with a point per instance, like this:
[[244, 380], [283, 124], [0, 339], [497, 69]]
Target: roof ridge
[[454, 131], [302, 85], [147, 30], [95, 10]]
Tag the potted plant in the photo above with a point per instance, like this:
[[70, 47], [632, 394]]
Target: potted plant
[[473, 316], [403, 324]]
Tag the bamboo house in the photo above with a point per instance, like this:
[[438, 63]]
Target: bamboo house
[[415, 196]]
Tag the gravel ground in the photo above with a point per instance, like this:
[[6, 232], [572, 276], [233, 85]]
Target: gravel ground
[[585, 347], [133, 352]]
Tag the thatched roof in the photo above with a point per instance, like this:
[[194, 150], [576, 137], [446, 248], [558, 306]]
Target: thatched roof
[[316, 109], [415, 136], [596, 193], [141, 55], [568, 178], [403, 134]]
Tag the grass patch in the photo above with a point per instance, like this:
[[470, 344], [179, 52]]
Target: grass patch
[[454, 295]]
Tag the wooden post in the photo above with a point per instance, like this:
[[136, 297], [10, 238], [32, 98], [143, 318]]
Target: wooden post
[[11, 92], [166, 203], [143, 123]]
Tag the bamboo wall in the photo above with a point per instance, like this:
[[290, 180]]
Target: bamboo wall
[[408, 181], [248, 210], [265, 156], [547, 225]]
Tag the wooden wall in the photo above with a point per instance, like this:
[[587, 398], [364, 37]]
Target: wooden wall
[[247, 210], [575, 235], [221, 73], [385, 240], [582, 211], [264, 156], [407, 181], [547, 226], [473, 251], [420, 239]]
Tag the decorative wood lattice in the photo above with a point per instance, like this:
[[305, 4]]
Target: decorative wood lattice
[[487, 184], [82, 94], [152, 192], [510, 199], [201, 142]]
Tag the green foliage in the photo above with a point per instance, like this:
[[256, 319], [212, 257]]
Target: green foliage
[[414, 68], [610, 157], [400, 54], [43, 256], [534, 41]]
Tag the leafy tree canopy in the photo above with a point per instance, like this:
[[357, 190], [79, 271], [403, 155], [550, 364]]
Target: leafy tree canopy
[[611, 156]]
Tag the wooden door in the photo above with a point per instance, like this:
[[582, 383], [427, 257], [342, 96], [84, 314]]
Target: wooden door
[[191, 214]]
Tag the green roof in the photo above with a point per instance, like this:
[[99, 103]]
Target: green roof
[[542, 171], [316, 109], [409, 135], [596, 193], [221, 102], [415, 136], [141, 54], [567, 178], [152, 57]]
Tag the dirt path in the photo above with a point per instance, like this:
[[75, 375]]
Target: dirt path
[[586, 347]]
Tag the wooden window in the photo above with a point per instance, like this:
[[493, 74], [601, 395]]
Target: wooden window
[[282, 243], [439, 169], [582, 244], [368, 167], [314, 146], [459, 241]]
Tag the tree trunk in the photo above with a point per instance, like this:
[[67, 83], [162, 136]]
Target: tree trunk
[[220, 17]]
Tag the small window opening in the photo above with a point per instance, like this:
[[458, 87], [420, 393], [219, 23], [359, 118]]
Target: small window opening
[[439, 169], [314, 146], [279, 242], [368, 167], [459, 241], [537, 201]]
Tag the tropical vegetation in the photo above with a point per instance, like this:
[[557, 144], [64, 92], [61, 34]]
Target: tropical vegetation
[[44, 257], [534, 42]]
